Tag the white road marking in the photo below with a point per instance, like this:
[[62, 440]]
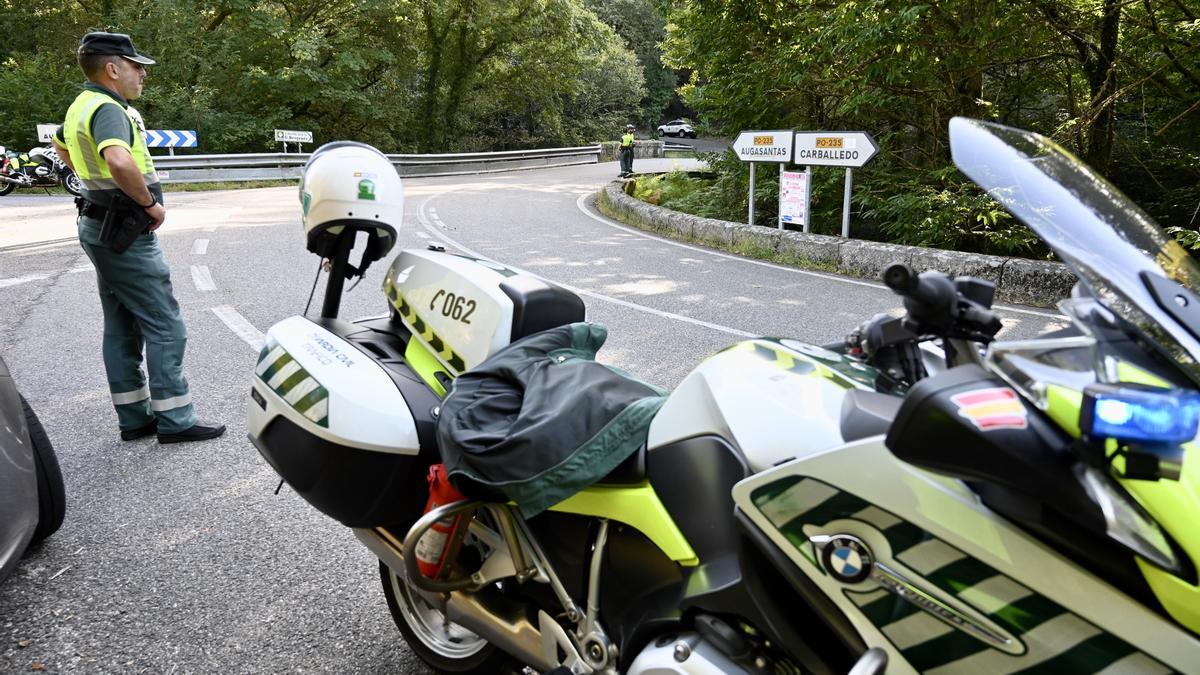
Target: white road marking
[[81, 268], [422, 235], [17, 281], [425, 222], [240, 326], [200, 247], [580, 203], [203, 278], [210, 228]]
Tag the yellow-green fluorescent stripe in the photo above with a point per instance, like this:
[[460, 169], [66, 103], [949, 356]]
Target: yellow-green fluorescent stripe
[[640, 508], [1175, 505], [425, 365]]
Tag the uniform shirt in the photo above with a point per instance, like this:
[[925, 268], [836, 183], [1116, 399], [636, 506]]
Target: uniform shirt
[[110, 126], [627, 141]]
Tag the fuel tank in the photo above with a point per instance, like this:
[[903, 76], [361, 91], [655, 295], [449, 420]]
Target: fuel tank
[[774, 399]]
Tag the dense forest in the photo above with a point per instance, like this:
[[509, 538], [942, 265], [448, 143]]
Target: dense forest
[[1115, 81], [405, 75]]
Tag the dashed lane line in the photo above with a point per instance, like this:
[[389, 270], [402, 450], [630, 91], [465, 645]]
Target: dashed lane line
[[239, 325], [200, 247], [202, 277], [17, 281]]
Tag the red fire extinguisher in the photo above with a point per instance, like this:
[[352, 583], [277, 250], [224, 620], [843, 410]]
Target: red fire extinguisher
[[438, 546]]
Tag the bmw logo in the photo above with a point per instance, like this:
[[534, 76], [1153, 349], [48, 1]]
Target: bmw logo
[[847, 559]]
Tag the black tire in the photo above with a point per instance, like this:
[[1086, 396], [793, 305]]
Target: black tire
[[486, 661], [71, 183], [52, 495], [6, 188]]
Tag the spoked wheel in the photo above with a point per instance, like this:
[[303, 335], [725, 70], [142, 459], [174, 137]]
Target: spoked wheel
[[446, 646]]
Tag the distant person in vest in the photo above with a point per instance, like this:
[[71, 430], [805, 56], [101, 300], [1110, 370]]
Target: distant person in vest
[[627, 152], [119, 210]]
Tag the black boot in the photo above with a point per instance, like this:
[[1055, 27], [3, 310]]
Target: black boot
[[140, 432], [198, 432]]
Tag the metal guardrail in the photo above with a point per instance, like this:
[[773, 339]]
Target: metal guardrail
[[287, 166]]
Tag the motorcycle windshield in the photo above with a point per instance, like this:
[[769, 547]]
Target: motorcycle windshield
[[1107, 240]]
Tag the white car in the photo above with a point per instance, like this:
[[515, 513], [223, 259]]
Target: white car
[[680, 128]]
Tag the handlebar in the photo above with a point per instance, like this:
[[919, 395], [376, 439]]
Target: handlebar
[[934, 304]]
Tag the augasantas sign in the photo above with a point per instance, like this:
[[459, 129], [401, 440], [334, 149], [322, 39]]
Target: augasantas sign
[[764, 146]]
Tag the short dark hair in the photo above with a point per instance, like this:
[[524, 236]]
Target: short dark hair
[[93, 64]]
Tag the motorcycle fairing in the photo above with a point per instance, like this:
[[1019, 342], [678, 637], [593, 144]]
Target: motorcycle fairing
[[637, 506], [800, 388], [975, 567]]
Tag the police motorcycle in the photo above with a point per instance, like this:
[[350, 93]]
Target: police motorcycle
[[39, 168], [1027, 506]]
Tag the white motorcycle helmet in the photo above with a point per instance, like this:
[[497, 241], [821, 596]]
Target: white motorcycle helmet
[[351, 186]]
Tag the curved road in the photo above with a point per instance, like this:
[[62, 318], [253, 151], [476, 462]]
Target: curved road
[[182, 558]]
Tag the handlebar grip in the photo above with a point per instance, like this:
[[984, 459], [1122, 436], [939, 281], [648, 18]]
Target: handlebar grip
[[901, 278]]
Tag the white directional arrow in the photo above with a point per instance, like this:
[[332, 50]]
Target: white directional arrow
[[189, 139], [850, 149], [763, 146]]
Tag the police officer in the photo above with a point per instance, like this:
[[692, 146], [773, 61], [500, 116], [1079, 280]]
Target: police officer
[[627, 152], [100, 142]]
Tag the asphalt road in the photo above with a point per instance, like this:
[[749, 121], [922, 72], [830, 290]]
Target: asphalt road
[[181, 558]]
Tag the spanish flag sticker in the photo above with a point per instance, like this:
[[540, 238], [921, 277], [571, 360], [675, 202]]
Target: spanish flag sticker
[[990, 409]]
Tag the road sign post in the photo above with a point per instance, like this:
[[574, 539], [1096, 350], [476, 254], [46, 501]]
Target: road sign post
[[762, 146], [286, 136], [849, 149]]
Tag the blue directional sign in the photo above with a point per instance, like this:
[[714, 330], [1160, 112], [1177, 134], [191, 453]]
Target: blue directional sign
[[162, 138]]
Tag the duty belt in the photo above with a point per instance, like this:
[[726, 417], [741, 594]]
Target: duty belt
[[90, 209]]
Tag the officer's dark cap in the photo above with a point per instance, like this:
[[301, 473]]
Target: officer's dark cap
[[116, 44]]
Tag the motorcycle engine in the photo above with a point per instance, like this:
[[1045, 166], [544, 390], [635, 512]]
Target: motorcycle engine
[[685, 654]]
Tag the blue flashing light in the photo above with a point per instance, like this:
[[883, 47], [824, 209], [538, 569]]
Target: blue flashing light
[[1141, 415]]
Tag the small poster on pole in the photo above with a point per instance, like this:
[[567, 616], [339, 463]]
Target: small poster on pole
[[793, 198]]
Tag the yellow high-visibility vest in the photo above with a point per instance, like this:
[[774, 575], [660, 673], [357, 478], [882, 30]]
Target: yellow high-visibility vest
[[91, 168]]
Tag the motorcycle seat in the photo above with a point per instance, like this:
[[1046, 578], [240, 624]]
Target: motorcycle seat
[[539, 305], [867, 413], [632, 471]]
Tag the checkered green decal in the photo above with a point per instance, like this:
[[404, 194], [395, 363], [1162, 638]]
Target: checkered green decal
[[279, 371], [431, 338], [1056, 640]]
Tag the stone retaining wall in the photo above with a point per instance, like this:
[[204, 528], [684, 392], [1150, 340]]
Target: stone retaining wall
[[608, 150], [1018, 280]]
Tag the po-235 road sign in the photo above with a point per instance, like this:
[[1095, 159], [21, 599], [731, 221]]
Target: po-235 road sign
[[850, 149], [764, 146]]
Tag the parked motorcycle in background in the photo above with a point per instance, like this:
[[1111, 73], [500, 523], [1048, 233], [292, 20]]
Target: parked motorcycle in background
[[39, 168]]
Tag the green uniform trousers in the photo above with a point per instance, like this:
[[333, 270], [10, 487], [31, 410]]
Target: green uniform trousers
[[140, 311]]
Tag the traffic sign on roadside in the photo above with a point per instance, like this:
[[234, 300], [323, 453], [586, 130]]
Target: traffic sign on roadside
[[170, 138], [764, 146], [850, 149], [289, 136]]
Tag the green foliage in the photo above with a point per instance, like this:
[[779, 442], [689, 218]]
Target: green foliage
[[1115, 82], [404, 75], [642, 27]]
